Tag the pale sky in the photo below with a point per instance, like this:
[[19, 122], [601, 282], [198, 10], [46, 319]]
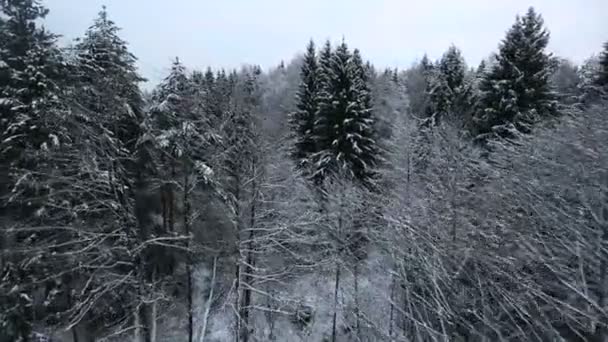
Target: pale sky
[[394, 33]]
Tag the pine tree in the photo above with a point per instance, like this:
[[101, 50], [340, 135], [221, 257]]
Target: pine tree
[[481, 68], [453, 68], [426, 64], [516, 92], [449, 90], [108, 101], [172, 100], [31, 111], [110, 80], [303, 119], [29, 91], [344, 128], [439, 98], [602, 77], [366, 154], [182, 134]]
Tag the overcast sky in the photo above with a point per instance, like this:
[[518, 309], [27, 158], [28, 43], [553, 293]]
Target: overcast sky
[[395, 33]]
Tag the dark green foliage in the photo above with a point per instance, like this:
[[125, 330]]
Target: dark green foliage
[[303, 120], [32, 69], [31, 111], [439, 98], [449, 90], [426, 64], [344, 128], [453, 68], [515, 93], [602, 77], [110, 79]]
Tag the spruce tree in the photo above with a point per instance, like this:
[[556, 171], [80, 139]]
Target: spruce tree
[[426, 64], [481, 68], [110, 80], [449, 90], [110, 102], [30, 77], [453, 68], [321, 128], [439, 98], [303, 119], [602, 77], [516, 92], [366, 154], [344, 128], [31, 111]]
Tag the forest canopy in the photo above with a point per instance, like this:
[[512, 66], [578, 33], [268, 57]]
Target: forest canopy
[[323, 199]]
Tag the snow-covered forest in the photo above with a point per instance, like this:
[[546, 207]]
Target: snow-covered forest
[[324, 199]]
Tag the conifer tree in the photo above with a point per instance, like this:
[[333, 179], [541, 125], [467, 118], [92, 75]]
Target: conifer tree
[[364, 123], [30, 76], [516, 92], [481, 68], [111, 81], [426, 64], [439, 98], [602, 77], [344, 128], [453, 68], [303, 119], [31, 109], [183, 135], [110, 101], [449, 92]]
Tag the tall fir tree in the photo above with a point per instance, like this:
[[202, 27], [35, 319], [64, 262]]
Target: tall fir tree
[[364, 140], [110, 80], [31, 110], [449, 89], [426, 64], [303, 119], [516, 92], [30, 77], [602, 77], [453, 67], [109, 101], [344, 128], [321, 129], [439, 98]]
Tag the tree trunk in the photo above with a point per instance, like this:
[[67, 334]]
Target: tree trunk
[[171, 200], [337, 280], [237, 287], [190, 305], [249, 264], [357, 309], [335, 316], [143, 312], [187, 229], [602, 330], [208, 306], [392, 307], [237, 309], [137, 335], [153, 326]]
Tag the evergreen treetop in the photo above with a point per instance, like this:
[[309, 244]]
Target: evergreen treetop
[[303, 119], [602, 77], [516, 91]]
